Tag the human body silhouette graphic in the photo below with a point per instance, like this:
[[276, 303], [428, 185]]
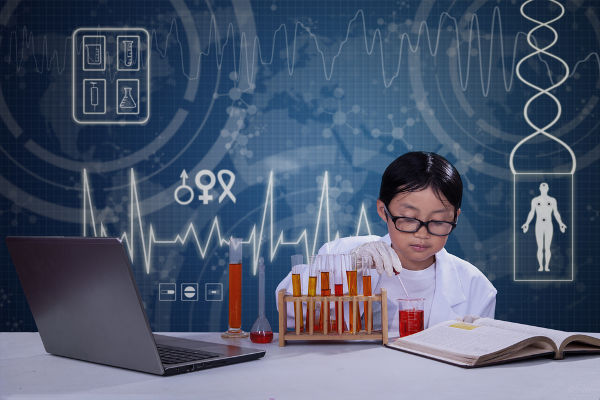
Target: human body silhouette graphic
[[543, 206]]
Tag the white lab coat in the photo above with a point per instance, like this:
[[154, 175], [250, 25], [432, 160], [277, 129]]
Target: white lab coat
[[461, 289]]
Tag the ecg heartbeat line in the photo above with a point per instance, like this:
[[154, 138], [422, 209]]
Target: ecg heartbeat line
[[245, 58], [255, 239]]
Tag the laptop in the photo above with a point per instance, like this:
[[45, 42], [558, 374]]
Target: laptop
[[86, 304]]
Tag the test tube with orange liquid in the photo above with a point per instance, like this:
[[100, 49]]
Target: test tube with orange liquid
[[312, 292], [339, 291], [296, 287], [235, 290], [366, 279], [351, 276], [325, 290]]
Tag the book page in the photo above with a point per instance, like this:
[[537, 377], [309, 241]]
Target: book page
[[582, 343], [557, 336], [470, 340]]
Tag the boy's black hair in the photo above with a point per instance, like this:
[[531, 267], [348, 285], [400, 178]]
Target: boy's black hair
[[418, 170]]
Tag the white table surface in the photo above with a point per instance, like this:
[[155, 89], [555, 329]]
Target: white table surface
[[296, 371]]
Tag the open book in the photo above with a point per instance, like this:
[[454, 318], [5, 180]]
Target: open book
[[489, 341]]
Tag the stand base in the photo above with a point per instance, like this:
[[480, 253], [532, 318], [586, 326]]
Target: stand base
[[230, 334]]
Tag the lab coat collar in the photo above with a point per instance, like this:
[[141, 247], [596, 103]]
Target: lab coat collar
[[447, 276], [449, 290]]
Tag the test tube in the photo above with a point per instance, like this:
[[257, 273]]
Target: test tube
[[235, 290], [312, 292], [352, 291], [297, 289], [366, 278], [325, 268], [338, 281]]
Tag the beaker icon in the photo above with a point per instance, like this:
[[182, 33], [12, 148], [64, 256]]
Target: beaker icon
[[128, 53], [127, 101], [93, 53]]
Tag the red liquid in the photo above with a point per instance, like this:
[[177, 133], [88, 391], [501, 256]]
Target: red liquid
[[235, 296], [411, 321], [353, 291], [261, 337], [325, 291], [367, 292], [339, 311]]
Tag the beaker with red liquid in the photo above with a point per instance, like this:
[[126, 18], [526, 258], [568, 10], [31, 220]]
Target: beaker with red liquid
[[410, 316]]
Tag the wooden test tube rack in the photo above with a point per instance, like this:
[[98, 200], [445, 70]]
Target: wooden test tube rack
[[339, 334]]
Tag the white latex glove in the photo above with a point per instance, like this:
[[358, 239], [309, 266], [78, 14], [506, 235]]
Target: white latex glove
[[468, 318], [381, 256]]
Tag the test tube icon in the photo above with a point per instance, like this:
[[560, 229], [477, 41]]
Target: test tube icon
[[128, 48], [128, 52], [529, 264]]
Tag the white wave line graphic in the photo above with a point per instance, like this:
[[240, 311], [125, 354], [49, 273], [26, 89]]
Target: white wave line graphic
[[243, 58], [190, 233]]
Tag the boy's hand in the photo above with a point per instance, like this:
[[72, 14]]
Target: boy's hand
[[381, 256]]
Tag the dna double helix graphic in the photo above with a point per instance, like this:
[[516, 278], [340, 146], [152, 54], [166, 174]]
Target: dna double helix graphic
[[540, 90]]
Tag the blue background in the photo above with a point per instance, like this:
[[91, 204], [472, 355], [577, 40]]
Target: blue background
[[320, 94]]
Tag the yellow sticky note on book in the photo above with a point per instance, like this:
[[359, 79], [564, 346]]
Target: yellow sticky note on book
[[462, 325]]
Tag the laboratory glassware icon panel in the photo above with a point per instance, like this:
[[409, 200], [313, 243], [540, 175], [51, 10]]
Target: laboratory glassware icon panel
[[111, 76]]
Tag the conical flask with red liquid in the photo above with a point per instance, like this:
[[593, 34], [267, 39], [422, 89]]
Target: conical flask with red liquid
[[261, 331]]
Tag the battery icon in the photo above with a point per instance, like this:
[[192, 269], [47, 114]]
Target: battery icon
[[167, 292]]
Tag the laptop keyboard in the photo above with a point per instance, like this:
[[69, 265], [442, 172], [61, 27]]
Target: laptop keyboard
[[176, 355]]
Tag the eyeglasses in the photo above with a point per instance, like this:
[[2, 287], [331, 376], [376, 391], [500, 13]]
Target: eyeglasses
[[412, 225]]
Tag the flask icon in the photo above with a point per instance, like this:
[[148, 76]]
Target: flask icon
[[127, 100]]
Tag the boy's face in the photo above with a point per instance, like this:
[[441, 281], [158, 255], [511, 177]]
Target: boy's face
[[416, 250]]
